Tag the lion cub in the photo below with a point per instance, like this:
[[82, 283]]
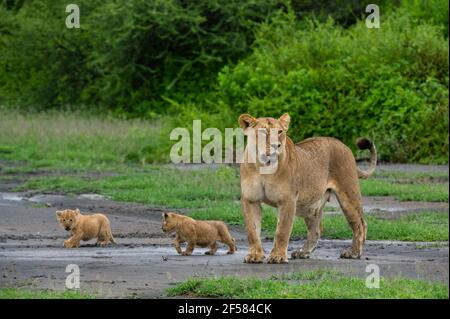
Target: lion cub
[[196, 232], [84, 227]]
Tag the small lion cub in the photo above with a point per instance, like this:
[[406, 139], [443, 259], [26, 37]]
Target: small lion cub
[[84, 227], [197, 233]]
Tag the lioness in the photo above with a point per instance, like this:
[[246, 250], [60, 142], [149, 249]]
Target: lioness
[[306, 174], [197, 232], [84, 227]]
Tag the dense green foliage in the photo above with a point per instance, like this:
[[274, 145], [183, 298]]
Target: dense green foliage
[[215, 59], [126, 55], [390, 84]]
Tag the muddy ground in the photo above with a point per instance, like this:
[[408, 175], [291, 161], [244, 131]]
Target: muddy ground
[[144, 264]]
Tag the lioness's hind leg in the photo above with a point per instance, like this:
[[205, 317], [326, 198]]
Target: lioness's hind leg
[[313, 224], [212, 249], [352, 208]]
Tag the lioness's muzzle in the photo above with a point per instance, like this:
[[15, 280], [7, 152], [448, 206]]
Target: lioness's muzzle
[[271, 153]]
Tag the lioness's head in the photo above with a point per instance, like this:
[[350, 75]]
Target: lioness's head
[[68, 218], [273, 131], [169, 222]]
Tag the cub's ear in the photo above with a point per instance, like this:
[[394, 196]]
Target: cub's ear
[[246, 121], [165, 215], [58, 213], [77, 211], [285, 119]]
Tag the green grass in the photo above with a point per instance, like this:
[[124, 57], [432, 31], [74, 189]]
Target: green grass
[[308, 285], [412, 177], [214, 194], [197, 188], [160, 186], [78, 145], [71, 141], [14, 293], [406, 192], [218, 200], [423, 226]]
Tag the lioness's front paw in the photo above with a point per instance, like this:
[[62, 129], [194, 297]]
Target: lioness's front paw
[[300, 254], [254, 258], [185, 253], [277, 259], [349, 253]]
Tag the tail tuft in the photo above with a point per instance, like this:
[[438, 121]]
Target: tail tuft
[[364, 143]]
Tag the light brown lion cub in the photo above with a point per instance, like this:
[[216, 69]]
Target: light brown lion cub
[[196, 232], [84, 227]]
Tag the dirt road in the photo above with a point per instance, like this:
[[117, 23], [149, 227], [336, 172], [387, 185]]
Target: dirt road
[[144, 263]]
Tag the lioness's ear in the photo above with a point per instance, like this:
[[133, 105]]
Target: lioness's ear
[[285, 119], [164, 215], [246, 121]]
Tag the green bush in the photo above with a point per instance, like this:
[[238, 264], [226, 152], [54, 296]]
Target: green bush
[[126, 55], [390, 84], [142, 58], [42, 63]]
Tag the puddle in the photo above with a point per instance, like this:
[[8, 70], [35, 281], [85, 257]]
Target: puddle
[[10, 197], [143, 256], [93, 196], [388, 204]]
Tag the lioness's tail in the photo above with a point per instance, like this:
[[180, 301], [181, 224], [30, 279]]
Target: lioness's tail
[[366, 144]]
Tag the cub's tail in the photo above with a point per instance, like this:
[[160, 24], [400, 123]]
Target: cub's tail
[[366, 144], [111, 239]]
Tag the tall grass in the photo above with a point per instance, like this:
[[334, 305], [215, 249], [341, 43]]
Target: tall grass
[[77, 141]]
